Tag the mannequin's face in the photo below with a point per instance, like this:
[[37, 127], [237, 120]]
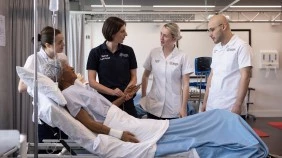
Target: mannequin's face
[[68, 76]]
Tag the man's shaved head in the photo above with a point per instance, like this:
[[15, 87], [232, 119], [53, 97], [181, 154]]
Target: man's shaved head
[[219, 29], [218, 19]]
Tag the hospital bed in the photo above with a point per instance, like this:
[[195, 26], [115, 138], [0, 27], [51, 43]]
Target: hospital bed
[[100, 145], [55, 115], [82, 153], [12, 143], [58, 116]]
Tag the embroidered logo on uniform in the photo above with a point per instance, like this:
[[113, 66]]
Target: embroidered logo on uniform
[[104, 57], [157, 61], [230, 49], [123, 55], [173, 63]]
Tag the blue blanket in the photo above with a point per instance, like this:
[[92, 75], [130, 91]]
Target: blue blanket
[[216, 133]]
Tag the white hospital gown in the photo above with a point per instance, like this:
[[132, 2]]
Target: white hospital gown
[[104, 111], [90, 100]]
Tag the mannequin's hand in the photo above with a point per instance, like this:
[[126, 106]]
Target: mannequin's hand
[[129, 137], [130, 91], [80, 78]]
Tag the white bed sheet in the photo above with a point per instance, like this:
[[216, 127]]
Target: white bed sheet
[[57, 116]]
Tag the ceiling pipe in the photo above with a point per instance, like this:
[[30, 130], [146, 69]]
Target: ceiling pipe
[[225, 8], [103, 4], [255, 16], [276, 17]]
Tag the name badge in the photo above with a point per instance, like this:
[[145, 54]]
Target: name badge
[[230, 49], [123, 55], [104, 57], [173, 63]]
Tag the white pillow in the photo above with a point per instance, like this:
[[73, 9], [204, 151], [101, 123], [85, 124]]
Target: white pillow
[[57, 116], [45, 85]]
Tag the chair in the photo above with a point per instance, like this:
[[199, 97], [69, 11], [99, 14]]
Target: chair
[[249, 103]]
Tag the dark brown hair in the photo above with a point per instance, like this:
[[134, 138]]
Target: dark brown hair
[[111, 26], [47, 35]]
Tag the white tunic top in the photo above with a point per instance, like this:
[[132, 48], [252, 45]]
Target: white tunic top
[[227, 61], [165, 97]]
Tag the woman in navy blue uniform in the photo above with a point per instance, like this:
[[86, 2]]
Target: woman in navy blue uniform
[[114, 63]]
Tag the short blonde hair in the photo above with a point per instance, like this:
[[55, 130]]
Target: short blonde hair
[[174, 30]]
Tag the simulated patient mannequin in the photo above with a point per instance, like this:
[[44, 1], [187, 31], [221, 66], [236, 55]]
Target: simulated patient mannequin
[[67, 78]]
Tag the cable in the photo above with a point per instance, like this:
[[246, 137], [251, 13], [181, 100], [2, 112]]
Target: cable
[[54, 6]]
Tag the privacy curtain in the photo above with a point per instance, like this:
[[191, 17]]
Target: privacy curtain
[[76, 42]]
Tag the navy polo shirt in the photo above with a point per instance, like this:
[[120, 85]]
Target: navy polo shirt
[[113, 68]]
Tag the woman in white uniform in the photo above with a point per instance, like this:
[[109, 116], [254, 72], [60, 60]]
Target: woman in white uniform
[[45, 54], [170, 67]]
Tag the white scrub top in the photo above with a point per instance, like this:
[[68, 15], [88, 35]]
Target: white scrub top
[[227, 61], [165, 97]]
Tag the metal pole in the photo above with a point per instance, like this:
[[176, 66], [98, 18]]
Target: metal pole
[[35, 106]]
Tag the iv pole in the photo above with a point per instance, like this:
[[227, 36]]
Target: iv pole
[[35, 106], [53, 7]]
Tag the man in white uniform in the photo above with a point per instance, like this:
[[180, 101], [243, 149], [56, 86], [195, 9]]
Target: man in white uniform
[[230, 69]]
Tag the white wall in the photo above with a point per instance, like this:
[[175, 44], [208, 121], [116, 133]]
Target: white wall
[[142, 37]]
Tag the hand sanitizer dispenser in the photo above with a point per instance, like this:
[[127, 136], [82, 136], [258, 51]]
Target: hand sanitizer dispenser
[[269, 59]]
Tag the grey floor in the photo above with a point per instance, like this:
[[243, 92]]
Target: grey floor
[[274, 141]]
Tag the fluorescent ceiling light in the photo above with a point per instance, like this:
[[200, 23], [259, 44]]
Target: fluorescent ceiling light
[[260, 20], [116, 6], [183, 6], [252, 6], [137, 20], [158, 20]]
